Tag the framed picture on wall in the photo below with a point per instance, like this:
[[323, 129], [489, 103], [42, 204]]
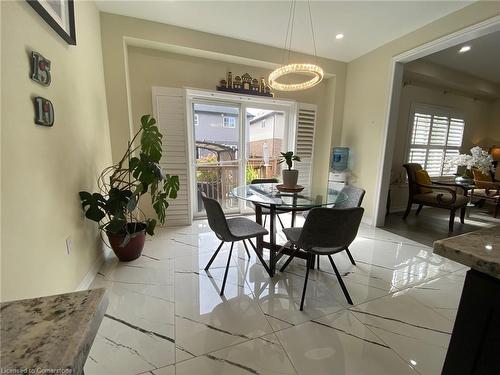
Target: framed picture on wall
[[59, 14]]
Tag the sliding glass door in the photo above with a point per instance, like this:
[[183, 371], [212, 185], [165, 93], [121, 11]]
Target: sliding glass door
[[266, 137], [217, 153], [233, 144]]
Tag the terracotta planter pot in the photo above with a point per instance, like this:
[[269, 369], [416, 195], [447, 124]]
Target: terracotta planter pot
[[133, 249], [290, 177]]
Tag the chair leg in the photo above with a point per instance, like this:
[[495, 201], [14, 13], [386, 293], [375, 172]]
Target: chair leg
[[213, 256], [317, 257], [309, 259], [281, 222], [265, 220], [350, 256], [262, 261], [495, 213], [282, 269], [341, 282], [463, 211], [419, 209], [408, 209], [227, 269], [246, 248], [452, 221]]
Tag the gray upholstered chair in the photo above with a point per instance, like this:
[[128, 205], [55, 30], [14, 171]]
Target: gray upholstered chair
[[354, 199], [441, 195], [326, 231], [231, 230], [266, 211]]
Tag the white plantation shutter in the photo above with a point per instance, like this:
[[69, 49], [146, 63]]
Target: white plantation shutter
[[304, 141], [170, 112], [435, 136]]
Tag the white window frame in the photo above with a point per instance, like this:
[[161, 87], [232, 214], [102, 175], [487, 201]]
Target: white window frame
[[229, 124], [433, 110]]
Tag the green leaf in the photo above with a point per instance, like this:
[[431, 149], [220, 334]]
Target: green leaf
[[116, 226], [150, 226], [95, 214], [118, 200], [94, 205]]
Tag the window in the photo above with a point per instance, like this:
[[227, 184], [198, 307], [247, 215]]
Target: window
[[229, 122], [263, 124], [196, 120], [436, 134]]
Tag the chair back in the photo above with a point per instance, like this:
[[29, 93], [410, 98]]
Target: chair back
[[330, 227], [411, 170], [216, 218], [481, 180], [354, 197], [264, 181]]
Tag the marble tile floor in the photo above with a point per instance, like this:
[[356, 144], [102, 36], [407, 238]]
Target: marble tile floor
[[166, 316]]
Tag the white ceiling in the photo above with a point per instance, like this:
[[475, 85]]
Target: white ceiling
[[483, 60], [366, 24]]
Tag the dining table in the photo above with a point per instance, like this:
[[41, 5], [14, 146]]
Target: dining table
[[267, 195]]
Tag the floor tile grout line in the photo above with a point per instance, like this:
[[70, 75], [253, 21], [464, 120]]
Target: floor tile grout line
[[391, 348]]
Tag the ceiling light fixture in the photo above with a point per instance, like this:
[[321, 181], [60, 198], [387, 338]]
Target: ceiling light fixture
[[464, 49], [301, 68], [339, 36]]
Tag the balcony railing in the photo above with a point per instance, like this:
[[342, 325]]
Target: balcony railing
[[217, 181]]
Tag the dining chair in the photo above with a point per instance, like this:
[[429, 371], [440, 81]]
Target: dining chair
[[231, 230], [326, 231], [266, 211], [355, 197]]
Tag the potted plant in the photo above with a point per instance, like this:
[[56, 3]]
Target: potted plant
[[116, 206], [290, 176]]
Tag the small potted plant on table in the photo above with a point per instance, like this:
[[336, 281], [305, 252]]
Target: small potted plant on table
[[116, 206], [290, 176]]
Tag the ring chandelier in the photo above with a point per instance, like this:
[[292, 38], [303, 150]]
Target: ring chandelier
[[312, 70]]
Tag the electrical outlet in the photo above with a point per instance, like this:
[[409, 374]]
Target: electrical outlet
[[69, 245]]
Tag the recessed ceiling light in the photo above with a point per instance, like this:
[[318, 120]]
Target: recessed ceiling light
[[339, 36], [464, 49]]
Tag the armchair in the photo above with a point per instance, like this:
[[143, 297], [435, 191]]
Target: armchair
[[440, 195], [486, 188]]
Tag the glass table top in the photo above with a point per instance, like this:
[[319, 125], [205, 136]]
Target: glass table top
[[268, 194]]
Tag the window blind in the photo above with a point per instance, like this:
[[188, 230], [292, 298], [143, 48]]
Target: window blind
[[435, 136]]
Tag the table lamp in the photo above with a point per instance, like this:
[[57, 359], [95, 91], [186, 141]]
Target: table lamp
[[495, 154]]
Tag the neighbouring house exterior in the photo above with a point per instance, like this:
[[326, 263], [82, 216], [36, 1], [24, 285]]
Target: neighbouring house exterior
[[266, 131]]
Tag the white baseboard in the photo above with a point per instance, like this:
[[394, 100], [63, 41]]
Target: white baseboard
[[90, 276], [368, 220]]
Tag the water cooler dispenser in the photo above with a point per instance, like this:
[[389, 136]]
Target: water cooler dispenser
[[339, 173]]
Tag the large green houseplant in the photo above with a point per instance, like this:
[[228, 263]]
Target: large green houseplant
[[116, 206]]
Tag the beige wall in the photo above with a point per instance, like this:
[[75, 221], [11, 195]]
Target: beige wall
[[367, 90], [153, 66], [495, 123], [44, 168]]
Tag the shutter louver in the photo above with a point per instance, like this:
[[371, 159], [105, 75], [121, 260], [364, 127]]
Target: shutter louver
[[170, 112], [304, 141], [456, 132], [435, 136], [421, 129]]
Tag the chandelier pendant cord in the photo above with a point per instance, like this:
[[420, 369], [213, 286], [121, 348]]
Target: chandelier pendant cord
[[312, 31]]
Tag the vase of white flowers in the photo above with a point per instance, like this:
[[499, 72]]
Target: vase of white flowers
[[478, 159]]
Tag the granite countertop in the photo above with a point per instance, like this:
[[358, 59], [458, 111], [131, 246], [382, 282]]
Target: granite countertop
[[54, 332], [479, 250]]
